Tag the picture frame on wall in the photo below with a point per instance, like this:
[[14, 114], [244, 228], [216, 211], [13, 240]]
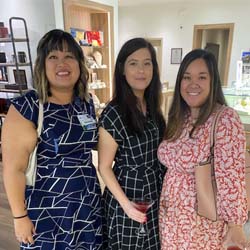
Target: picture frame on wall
[[22, 74], [176, 55]]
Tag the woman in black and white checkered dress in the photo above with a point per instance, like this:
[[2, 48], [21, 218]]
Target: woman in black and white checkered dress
[[130, 130]]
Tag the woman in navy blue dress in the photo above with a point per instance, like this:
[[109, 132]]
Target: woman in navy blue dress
[[63, 209]]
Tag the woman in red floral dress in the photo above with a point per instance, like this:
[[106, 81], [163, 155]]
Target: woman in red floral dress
[[197, 97]]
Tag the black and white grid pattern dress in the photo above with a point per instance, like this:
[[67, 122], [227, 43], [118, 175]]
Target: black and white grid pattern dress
[[140, 175]]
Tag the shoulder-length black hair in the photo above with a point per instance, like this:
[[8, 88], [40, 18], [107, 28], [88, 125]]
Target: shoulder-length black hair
[[59, 40], [179, 107], [123, 95]]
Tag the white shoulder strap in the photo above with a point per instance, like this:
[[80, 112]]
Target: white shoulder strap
[[40, 119]]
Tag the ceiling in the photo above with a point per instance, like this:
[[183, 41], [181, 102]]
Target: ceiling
[[148, 2]]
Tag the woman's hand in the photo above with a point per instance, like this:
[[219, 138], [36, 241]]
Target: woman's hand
[[133, 213], [235, 237], [24, 230]]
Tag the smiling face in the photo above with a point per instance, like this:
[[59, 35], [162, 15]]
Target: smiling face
[[138, 70], [62, 70], [195, 85]]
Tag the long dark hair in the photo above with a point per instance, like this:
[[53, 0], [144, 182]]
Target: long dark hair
[[179, 107], [123, 95], [58, 40]]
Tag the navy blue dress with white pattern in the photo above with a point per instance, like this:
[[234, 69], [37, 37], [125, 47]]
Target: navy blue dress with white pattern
[[65, 204]]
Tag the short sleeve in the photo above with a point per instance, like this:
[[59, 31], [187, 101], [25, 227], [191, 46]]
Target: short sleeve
[[27, 105], [111, 121], [229, 164]]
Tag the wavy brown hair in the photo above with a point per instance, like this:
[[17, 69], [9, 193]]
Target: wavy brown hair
[[59, 40]]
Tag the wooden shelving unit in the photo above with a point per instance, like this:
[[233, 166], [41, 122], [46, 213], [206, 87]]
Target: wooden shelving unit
[[90, 16]]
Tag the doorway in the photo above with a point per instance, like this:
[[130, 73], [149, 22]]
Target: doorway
[[218, 39], [157, 44]]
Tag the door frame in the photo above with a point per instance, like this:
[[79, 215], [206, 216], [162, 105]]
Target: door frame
[[158, 43], [197, 41]]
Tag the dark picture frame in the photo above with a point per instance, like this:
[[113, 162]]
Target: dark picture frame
[[176, 55], [22, 74]]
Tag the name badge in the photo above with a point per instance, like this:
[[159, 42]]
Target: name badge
[[87, 121]]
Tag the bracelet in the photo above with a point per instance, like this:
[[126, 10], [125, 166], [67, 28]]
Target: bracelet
[[20, 217]]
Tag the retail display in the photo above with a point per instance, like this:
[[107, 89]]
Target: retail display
[[21, 57], [239, 99], [243, 71], [98, 57], [90, 24], [3, 30], [93, 40], [15, 65]]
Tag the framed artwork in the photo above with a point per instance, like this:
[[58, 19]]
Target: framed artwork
[[22, 75], [176, 55]]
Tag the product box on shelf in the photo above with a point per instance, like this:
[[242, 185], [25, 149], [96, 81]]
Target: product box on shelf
[[3, 31]]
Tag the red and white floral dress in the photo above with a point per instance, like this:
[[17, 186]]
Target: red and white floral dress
[[180, 226]]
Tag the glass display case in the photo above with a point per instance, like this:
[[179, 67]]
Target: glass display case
[[239, 99]]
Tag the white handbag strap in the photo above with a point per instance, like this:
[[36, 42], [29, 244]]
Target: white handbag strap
[[40, 119], [31, 168]]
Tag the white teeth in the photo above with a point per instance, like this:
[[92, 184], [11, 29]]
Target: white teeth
[[63, 73], [194, 94]]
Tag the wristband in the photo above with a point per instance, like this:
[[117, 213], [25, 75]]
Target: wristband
[[20, 217]]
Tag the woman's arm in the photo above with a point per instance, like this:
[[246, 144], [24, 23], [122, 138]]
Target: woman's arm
[[19, 137], [230, 175], [107, 148], [229, 164]]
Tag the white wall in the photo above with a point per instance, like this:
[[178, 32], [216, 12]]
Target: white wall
[[175, 22], [39, 16]]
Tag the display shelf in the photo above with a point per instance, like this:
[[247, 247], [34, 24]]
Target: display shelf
[[83, 18], [9, 64], [16, 91], [239, 99], [97, 85], [18, 71], [9, 40]]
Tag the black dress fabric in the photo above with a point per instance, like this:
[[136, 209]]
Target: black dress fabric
[[140, 175]]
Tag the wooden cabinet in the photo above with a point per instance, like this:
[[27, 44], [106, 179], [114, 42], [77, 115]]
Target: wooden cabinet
[[89, 16]]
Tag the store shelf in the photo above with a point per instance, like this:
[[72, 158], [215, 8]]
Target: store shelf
[[9, 64], [9, 40], [239, 99], [97, 85], [91, 23], [18, 70]]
